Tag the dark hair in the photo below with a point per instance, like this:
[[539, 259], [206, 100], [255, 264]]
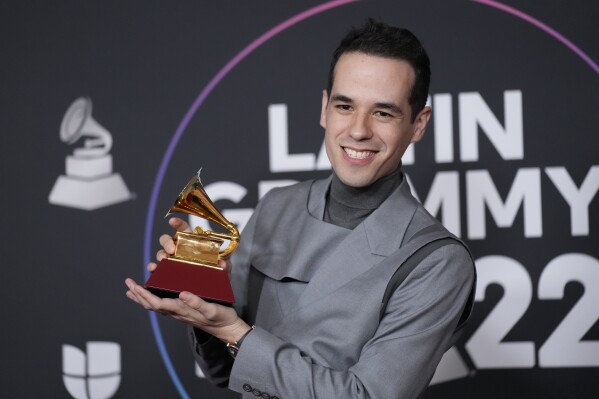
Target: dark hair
[[382, 40]]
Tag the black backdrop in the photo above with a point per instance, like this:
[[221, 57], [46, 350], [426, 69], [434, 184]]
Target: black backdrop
[[510, 163]]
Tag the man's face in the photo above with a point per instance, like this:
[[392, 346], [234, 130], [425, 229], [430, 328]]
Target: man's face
[[367, 117]]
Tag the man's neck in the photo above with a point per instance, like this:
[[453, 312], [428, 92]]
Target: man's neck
[[348, 206]]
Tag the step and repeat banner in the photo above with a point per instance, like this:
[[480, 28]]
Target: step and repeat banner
[[109, 108]]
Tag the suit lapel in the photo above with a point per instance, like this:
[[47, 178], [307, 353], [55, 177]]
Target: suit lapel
[[368, 244]]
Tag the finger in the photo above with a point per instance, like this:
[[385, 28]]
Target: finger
[[143, 296], [129, 282], [151, 267], [135, 298], [167, 244], [226, 265], [191, 300], [179, 224], [164, 306], [199, 309], [133, 295], [146, 297], [161, 254], [195, 307], [151, 302]]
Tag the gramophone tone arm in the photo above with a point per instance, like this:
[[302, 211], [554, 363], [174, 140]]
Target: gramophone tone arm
[[231, 237]]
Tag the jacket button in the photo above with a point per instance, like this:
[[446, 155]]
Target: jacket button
[[265, 395], [247, 387], [256, 392]]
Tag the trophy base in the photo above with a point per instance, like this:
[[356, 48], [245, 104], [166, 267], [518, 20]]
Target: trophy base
[[171, 277]]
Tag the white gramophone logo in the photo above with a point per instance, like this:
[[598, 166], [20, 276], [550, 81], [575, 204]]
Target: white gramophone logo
[[94, 374], [89, 182]]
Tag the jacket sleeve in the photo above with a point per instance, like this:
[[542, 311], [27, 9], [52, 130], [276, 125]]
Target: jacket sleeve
[[397, 362]]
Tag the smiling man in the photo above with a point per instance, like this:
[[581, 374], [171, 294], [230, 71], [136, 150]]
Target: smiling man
[[345, 287], [367, 117]]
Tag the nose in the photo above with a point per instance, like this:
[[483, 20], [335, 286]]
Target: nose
[[359, 128]]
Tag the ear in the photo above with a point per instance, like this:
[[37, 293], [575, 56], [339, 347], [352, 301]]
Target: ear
[[323, 110], [420, 123]]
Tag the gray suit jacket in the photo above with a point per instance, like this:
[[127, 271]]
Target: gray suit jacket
[[315, 292]]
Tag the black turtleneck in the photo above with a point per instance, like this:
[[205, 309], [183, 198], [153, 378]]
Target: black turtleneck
[[348, 206]]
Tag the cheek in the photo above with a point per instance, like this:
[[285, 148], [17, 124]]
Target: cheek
[[396, 145], [334, 129], [329, 142]]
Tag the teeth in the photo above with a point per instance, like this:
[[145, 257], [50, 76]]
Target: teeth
[[358, 154]]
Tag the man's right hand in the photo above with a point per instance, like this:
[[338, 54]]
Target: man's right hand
[[167, 242]]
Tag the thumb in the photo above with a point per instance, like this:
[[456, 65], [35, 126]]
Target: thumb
[[179, 224], [225, 264], [191, 300]]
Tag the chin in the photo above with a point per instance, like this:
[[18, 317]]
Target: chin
[[354, 181]]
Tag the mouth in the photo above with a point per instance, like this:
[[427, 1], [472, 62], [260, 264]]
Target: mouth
[[354, 154]]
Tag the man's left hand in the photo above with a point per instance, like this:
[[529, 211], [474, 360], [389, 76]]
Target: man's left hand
[[218, 320]]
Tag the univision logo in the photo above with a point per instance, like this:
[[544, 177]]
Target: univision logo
[[94, 374]]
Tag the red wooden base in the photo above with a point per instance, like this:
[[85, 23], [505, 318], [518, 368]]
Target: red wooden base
[[172, 276]]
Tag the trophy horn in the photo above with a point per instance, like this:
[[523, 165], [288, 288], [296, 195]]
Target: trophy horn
[[194, 200]]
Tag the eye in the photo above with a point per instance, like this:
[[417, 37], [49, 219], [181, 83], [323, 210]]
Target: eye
[[383, 114], [343, 107]]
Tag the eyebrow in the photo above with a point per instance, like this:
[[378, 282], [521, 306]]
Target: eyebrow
[[382, 105], [390, 106], [341, 98]]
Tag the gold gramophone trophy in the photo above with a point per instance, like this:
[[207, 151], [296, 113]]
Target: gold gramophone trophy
[[194, 265]]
